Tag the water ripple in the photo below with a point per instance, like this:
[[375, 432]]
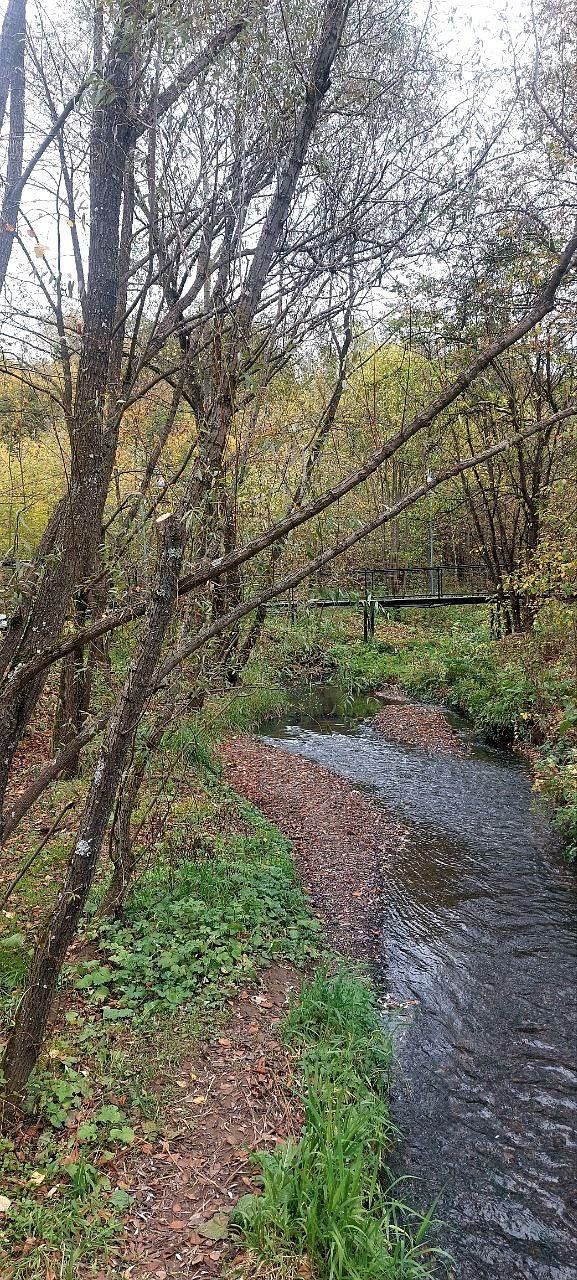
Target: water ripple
[[480, 930]]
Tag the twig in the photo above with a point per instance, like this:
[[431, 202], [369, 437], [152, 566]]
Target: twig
[[32, 858]]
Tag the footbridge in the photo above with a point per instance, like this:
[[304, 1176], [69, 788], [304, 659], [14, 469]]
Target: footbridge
[[379, 587]]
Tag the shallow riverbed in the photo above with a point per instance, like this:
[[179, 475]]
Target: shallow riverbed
[[479, 945]]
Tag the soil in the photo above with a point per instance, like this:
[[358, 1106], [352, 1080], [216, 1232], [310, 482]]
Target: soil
[[236, 1097], [340, 839]]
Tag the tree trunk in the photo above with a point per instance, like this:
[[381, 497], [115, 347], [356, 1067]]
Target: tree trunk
[[25, 1041], [122, 852], [12, 84], [69, 547]]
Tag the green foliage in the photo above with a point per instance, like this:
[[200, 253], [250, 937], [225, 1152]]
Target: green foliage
[[362, 667], [556, 780], [14, 957], [63, 1211], [464, 668], [329, 1197], [55, 1098], [260, 698], [186, 743], [193, 935]]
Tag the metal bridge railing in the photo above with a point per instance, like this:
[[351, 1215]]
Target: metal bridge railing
[[406, 581]]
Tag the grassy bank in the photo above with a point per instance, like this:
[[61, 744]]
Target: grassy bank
[[135, 996], [202, 923], [328, 1206], [520, 691]]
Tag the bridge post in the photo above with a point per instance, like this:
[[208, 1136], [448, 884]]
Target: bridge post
[[368, 620]]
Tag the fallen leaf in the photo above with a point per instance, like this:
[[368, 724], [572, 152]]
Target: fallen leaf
[[216, 1228]]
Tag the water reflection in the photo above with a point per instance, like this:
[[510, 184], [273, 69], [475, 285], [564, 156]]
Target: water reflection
[[480, 931]]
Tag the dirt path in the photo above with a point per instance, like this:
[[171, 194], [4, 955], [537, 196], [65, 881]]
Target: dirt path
[[236, 1092], [340, 839], [236, 1097]]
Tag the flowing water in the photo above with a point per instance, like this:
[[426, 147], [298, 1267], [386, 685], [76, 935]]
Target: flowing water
[[480, 932]]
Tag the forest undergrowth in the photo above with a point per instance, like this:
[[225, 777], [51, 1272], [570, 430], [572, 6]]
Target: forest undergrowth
[[216, 900]]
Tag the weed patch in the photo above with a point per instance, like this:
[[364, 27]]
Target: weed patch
[[328, 1200], [192, 933]]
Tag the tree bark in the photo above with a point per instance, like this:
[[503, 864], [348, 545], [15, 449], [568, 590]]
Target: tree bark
[[12, 84], [69, 547], [27, 1035]]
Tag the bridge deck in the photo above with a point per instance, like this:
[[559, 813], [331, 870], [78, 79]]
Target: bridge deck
[[392, 602]]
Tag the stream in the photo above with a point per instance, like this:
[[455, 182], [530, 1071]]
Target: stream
[[480, 932]]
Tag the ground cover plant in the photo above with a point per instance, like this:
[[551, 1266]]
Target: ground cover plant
[[194, 930], [327, 1202]]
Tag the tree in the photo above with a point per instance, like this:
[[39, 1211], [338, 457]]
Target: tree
[[224, 242]]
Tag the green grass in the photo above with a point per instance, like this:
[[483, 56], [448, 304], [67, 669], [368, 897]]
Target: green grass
[[191, 935], [52, 1235], [328, 1199], [556, 779], [195, 929]]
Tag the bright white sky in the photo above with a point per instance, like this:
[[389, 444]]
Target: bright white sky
[[476, 32]]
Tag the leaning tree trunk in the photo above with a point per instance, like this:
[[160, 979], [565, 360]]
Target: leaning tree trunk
[[123, 854], [26, 1039], [122, 851], [74, 690]]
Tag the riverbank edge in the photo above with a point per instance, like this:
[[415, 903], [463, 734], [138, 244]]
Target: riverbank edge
[[320, 812], [500, 689], [318, 1075]]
